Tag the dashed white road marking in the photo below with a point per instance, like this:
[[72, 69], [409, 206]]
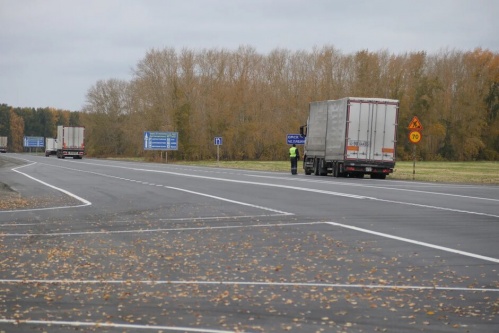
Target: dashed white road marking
[[212, 178], [315, 190]]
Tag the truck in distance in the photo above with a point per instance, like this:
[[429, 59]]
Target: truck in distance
[[50, 146], [3, 144], [351, 137], [70, 142]]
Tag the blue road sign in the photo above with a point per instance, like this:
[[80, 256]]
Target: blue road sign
[[297, 139], [218, 141], [161, 140], [34, 141]]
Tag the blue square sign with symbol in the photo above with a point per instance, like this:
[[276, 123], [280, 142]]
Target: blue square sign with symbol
[[218, 141]]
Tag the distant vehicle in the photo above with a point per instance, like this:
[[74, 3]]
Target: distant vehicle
[[351, 137], [50, 146], [3, 144], [70, 142]]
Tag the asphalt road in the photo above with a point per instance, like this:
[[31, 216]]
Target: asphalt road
[[109, 246]]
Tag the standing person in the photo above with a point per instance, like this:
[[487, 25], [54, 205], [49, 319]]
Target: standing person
[[294, 156]]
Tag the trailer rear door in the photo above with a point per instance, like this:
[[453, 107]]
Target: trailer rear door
[[371, 130]]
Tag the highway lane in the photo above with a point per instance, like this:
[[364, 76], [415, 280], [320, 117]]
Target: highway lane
[[299, 253]]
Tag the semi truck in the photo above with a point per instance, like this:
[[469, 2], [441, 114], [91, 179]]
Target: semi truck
[[351, 137], [70, 142], [50, 146], [3, 144]]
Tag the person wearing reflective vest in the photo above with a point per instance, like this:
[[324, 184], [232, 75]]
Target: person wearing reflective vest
[[294, 155]]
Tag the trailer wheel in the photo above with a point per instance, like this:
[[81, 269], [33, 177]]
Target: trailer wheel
[[319, 168]]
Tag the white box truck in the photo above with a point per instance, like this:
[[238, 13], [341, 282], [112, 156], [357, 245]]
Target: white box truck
[[351, 137], [50, 146], [3, 144], [70, 142]]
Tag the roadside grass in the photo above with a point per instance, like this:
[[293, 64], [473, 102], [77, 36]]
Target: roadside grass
[[442, 172]]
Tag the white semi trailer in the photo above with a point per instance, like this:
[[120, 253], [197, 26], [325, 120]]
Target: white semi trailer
[[50, 146], [351, 137], [3, 144], [70, 142]]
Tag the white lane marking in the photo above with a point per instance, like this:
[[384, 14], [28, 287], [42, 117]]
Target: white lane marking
[[317, 191], [214, 178], [110, 325], [187, 191], [235, 217], [17, 224], [144, 183], [301, 189], [407, 240], [394, 287], [84, 201], [436, 207], [229, 200], [383, 187], [128, 231]]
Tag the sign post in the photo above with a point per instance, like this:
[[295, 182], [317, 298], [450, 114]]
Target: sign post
[[415, 127], [218, 142], [161, 141]]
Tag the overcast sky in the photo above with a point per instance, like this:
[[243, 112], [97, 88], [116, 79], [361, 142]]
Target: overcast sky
[[53, 51]]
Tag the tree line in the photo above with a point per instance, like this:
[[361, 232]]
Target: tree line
[[16, 123], [253, 100]]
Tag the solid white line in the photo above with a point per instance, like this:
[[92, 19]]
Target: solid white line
[[16, 224], [157, 230], [188, 191], [384, 187], [235, 217], [229, 200], [145, 183], [110, 325], [85, 202], [246, 283], [220, 179], [436, 207], [407, 240], [323, 191]]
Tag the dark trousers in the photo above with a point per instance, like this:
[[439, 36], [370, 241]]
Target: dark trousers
[[294, 163]]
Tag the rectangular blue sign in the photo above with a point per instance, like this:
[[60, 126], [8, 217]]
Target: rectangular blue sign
[[218, 141], [161, 140], [34, 141], [297, 139]]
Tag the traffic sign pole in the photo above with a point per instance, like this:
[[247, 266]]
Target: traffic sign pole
[[415, 127], [218, 142]]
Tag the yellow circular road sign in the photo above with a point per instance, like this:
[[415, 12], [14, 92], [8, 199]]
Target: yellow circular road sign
[[415, 136]]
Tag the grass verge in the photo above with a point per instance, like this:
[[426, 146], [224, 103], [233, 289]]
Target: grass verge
[[445, 172]]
